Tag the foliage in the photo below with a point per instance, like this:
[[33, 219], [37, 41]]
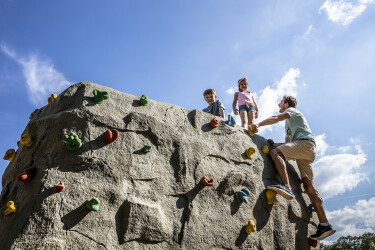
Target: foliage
[[365, 241]]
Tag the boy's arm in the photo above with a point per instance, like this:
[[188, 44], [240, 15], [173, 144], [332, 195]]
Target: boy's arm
[[222, 113], [235, 103]]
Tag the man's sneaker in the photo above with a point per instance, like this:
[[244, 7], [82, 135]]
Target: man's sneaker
[[282, 190], [323, 232]]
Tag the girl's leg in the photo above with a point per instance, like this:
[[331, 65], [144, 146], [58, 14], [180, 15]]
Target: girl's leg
[[243, 118], [251, 117]]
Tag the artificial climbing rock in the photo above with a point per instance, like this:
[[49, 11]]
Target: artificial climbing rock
[[214, 122], [33, 113], [59, 187], [93, 204], [111, 135], [11, 208], [100, 96], [265, 149], [207, 181], [250, 152], [27, 175], [251, 227], [146, 149], [9, 155], [271, 197], [144, 100], [72, 141], [26, 140], [53, 97], [244, 194]]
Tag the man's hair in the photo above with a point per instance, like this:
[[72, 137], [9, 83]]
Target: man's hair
[[209, 92], [292, 101]]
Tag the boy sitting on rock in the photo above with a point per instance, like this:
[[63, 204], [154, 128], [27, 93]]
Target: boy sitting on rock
[[215, 106]]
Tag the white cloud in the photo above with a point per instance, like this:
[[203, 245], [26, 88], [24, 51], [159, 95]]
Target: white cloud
[[337, 173], [231, 91], [42, 78], [354, 220], [309, 29], [344, 12], [321, 145]]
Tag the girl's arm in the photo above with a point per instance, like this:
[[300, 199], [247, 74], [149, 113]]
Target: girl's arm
[[235, 111], [255, 104]]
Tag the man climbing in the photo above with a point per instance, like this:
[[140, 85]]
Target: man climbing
[[300, 146]]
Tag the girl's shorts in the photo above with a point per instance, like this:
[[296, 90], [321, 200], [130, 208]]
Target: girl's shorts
[[247, 108]]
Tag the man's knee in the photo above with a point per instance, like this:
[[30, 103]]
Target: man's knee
[[313, 194], [275, 153]]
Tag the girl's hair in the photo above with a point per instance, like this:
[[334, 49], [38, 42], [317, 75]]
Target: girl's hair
[[242, 80]]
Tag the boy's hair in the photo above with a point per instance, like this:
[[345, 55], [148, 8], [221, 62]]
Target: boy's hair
[[242, 80], [292, 101], [209, 92]]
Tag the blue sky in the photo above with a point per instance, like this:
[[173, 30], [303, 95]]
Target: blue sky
[[321, 51]]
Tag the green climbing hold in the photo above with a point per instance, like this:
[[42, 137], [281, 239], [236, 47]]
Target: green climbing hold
[[146, 149], [72, 141], [144, 100], [93, 204], [100, 96]]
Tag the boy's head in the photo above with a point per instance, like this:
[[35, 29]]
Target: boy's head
[[210, 96]]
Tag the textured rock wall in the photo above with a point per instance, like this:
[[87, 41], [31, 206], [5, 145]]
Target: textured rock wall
[[148, 201]]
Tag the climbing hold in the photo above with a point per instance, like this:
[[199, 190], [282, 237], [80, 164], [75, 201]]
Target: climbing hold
[[9, 155], [26, 140], [27, 175], [93, 204], [250, 131], [214, 122], [244, 194], [250, 152], [270, 141], [59, 187], [299, 181], [10, 208], [251, 227], [313, 243], [72, 141], [146, 149], [111, 135], [265, 149], [100, 96], [207, 181], [230, 121], [271, 197], [33, 113], [53, 97], [144, 100], [311, 208]]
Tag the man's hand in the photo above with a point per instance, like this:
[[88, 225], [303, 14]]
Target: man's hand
[[235, 111], [270, 141], [254, 128]]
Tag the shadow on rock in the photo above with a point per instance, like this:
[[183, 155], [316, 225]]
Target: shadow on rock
[[207, 127], [136, 103], [71, 219], [262, 211], [241, 237], [122, 221]]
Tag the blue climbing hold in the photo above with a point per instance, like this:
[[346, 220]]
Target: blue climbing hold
[[244, 194], [230, 121], [311, 208]]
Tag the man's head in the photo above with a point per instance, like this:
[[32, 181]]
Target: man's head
[[210, 96], [287, 102]]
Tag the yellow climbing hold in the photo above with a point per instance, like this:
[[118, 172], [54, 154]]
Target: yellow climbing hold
[[9, 155], [265, 149], [250, 131], [271, 197], [53, 97], [33, 113], [11, 208], [26, 140], [251, 227], [250, 152]]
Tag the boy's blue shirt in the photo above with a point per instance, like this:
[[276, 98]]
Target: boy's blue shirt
[[214, 108]]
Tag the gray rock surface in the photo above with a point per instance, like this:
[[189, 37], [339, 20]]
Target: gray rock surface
[[148, 201]]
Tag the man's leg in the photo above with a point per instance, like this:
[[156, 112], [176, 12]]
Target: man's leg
[[278, 159], [315, 198]]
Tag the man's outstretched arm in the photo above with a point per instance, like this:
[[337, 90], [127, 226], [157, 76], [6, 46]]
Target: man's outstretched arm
[[269, 121]]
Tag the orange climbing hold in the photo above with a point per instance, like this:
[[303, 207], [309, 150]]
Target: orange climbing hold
[[250, 152], [313, 243], [214, 122], [59, 187], [9, 155], [111, 135], [53, 97], [26, 140], [27, 175], [10, 208], [207, 181], [271, 197], [251, 227]]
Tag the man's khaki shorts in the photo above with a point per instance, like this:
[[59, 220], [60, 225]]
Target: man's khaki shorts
[[303, 151]]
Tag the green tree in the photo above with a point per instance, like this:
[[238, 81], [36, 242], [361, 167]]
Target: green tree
[[365, 241]]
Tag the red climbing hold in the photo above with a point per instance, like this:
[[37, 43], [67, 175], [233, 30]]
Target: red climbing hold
[[59, 187], [214, 122], [111, 135], [313, 243], [270, 141], [207, 181], [27, 175], [299, 180]]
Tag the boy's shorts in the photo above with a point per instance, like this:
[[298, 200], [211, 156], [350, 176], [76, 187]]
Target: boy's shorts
[[303, 151], [247, 108]]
